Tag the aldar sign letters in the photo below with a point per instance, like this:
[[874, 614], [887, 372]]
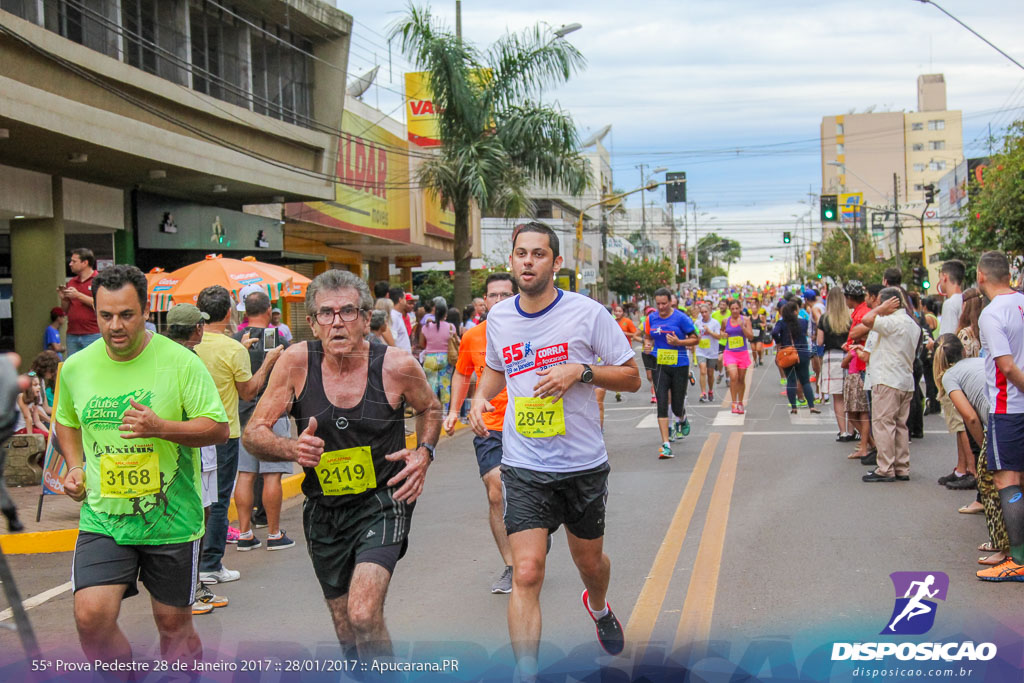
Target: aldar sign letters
[[371, 195]]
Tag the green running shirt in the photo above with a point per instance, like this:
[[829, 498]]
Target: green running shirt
[[93, 395]]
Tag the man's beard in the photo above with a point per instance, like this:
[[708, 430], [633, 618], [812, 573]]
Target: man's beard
[[538, 285]]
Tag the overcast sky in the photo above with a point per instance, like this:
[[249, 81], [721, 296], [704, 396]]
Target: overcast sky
[[733, 92]]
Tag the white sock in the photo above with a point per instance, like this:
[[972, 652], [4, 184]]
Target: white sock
[[598, 613], [958, 473], [246, 534]]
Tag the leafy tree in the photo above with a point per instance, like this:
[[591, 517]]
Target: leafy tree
[[437, 283], [996, 209], [497, 138], [834, 258], [637, 277]]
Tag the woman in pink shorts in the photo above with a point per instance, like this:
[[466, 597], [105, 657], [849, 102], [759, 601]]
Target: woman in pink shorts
[[736, 357]]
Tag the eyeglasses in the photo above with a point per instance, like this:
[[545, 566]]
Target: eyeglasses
[[500, 295], [325, 316]]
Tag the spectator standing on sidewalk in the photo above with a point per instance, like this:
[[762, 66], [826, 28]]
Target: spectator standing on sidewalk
[[892, 373], [51, 336], [260, 315], [1002, 340], [77, 300], [228, 363]]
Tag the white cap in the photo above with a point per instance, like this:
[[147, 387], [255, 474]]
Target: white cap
[[246, 291]]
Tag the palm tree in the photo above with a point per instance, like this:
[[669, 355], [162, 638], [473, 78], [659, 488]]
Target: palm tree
[[497, 137]]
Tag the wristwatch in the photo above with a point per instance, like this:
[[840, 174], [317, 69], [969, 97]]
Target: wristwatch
[[588, 375], [430, 449]]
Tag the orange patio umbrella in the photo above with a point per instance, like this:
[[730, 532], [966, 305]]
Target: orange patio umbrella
[[183, 285], [296, 290]]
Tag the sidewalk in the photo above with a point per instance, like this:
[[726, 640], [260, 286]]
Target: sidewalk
[[57, 529]]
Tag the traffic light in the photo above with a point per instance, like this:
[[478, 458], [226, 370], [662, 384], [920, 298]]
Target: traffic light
[[920, 276], [829, 208], [787, 237], [675, 187], [929, 194]]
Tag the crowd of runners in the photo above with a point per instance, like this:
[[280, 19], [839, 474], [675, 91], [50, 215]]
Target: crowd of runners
[[159, 431]]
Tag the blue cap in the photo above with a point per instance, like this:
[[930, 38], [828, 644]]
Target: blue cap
[[810, 294]]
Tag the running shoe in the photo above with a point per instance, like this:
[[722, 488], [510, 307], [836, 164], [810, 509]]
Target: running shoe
[[952, 476], [711, 396], [1007, 571], [222, 575], [801, 402], [782, 381], [672, 436], [726, 380], [968, 481], [279, 543], [205, 595], [665, 452], [654, 399], [233, 534], [692, 381], [826, 399], [874, 476], [609, 630], [739, 408], [703, 398], [201, 608], [720, 377], [504, 583], [247, 544], [684, 427]]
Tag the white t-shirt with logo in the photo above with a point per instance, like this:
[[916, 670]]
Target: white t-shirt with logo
[[572, 329], [708, 345], [1002, 334]]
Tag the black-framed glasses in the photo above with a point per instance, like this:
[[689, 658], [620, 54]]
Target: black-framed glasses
[[325, 316]]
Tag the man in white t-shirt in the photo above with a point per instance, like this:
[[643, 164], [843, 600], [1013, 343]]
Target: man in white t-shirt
[[398, 329], [554, 465], [710, 332], [1002, 338], [951, 279]]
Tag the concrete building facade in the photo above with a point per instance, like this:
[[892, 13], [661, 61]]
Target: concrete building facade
[[863, 152], [111, 109]]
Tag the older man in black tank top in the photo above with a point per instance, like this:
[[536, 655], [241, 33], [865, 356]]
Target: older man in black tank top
[[361, 484]]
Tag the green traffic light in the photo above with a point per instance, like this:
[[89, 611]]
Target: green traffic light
[[819, 276], [828, 214], [926, 284]]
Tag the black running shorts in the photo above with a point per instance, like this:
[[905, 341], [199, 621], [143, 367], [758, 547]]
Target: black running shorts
[[373, 529], [169, 572], [488, 451], [650, 362], [546, 500]]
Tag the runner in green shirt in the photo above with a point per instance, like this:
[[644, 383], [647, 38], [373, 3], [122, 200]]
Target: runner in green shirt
[[133, 410]]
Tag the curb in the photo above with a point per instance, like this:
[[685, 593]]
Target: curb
[[63, 540]]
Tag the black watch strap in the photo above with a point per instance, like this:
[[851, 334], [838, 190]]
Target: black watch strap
[[430, 449]]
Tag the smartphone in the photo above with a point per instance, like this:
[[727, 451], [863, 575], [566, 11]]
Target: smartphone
[[269, 338]]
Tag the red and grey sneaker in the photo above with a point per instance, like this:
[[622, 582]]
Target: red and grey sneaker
[[609, 630]]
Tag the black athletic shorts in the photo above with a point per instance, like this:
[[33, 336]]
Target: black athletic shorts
[[488, 451], [650, 362], [374, 529], [546, 500], [169, 572]]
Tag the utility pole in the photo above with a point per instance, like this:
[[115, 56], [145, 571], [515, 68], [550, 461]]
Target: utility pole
[[896, 208], [673, 259], [458, 20], [643, 217], [604, 253]]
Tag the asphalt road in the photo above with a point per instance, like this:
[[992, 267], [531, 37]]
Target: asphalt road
[[759, 530]]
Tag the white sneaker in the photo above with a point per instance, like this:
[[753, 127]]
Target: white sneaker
[[221, 576]]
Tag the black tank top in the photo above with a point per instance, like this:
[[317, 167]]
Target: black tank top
[[372, 422]]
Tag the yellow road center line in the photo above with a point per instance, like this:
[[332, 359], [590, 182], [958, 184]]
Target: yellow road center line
[[695, 621], [652, 595]]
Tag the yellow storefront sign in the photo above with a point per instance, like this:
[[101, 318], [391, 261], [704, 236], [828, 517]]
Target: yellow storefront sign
[[371, 195]]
